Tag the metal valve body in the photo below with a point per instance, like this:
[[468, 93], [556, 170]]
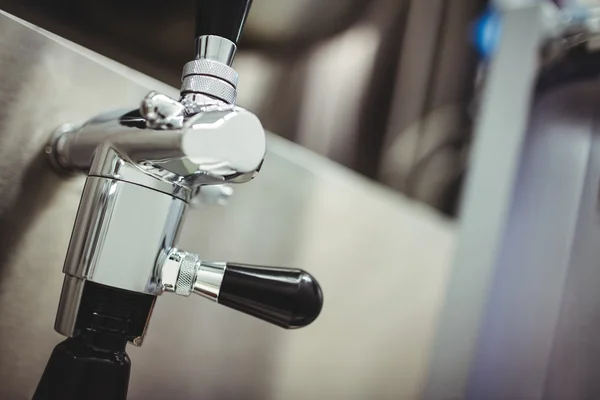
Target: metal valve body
[[144, 167]]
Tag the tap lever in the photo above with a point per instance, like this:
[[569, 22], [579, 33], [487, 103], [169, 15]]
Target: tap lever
[[290, 298]]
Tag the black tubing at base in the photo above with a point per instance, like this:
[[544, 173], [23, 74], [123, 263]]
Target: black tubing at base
[[93, 365], [78, 370]]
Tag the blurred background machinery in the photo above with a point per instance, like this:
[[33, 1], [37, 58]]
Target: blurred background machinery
[[380, 86]]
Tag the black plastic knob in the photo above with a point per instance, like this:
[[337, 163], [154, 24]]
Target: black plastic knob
[[290, 298], [223, 18]]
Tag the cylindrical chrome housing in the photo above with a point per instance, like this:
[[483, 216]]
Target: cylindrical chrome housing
[[216, 48], [122, 224], [122, 234]]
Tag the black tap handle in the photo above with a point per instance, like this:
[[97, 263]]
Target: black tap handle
[[223, 18], [290, 298]]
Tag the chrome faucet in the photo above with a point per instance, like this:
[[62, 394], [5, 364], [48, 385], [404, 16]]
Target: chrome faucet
[[144, 167]]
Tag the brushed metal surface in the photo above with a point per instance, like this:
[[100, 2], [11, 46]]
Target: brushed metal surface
[[520, 320], [489, 192], [382, 260], [538, 331]]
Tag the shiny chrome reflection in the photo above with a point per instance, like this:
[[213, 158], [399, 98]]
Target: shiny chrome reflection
[[68, 307], [184, 273], [129, 147], [209, 277], [120, 230], [121, 235], [210, 73], [215, 48]]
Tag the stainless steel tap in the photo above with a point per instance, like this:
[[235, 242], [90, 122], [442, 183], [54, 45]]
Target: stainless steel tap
[[144, 167]]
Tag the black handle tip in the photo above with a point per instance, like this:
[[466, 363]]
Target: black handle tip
[[309, 301], [290, 298], [223, 18]]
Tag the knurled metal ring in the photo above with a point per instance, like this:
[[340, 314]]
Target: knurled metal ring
[[211, 68], [187, 275], [210, 86]]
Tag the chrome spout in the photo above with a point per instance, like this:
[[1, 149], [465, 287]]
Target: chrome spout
[[172, 153]]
